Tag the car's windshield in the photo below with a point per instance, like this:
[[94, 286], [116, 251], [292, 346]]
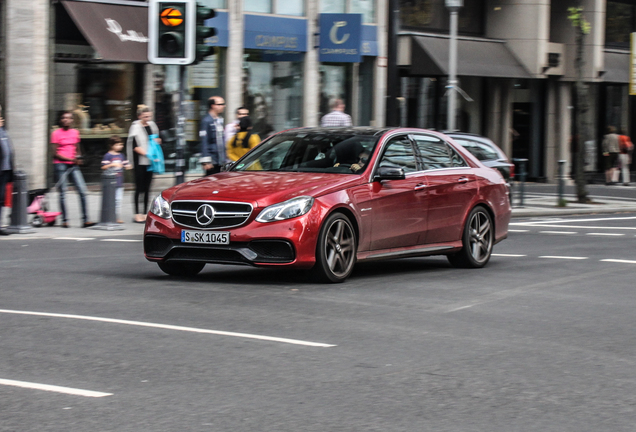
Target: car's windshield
[[310, 152]]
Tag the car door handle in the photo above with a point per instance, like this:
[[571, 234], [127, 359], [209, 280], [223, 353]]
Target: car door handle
[[420, 186], [463, 180]]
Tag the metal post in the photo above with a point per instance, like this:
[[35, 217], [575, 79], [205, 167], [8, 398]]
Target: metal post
[[452, 69], [181, 143], [108, 220], [522, 177], [561, 202], [392, 75], [19, 205]]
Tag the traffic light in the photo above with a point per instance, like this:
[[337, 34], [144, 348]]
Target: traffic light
[[171, 31], [203, 32]]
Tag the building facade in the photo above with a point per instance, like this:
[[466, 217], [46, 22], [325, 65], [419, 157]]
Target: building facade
[[286, 60]]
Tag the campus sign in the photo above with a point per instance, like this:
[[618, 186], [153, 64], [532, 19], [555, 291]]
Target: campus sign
[[341, 38]]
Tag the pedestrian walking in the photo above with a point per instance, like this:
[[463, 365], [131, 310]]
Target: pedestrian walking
[[610, 153], [337, 116], [232, 128], [115, 161], [141, 131], [243, 141], [67, 157], [212, 139], [6, 166], [626, 149]]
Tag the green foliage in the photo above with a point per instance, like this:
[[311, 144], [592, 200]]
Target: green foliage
[[575, 14]]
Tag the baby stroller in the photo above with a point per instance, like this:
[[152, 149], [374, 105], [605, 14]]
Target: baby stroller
[[38, 208]]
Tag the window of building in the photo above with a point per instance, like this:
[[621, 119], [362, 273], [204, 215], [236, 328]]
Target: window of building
[[215, 4], [260, 6], [364, 7], [280, 7], [620, 22], [335, 83], [433, 16], [333, 6]]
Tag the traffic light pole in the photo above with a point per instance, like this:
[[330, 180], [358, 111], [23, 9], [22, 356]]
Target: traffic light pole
[[181, 141]]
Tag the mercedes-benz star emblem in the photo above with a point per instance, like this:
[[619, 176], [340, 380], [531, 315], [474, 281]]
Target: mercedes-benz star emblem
[[205, 214]]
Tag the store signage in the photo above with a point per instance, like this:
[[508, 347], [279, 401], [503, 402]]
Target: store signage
[[340, 38], [219, 22], [130, 36], [632, 66], [274, 33]]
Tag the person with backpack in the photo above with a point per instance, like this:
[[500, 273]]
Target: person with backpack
[[243, 141]]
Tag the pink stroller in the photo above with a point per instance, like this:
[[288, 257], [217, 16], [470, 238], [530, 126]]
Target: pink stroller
[[38, 208]]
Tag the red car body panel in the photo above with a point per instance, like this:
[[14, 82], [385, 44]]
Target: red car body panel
[[424, 213]]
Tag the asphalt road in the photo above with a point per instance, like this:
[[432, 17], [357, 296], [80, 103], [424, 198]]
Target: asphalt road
[[542, 339]]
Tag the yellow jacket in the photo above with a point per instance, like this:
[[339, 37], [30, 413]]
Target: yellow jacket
[[234, 153]]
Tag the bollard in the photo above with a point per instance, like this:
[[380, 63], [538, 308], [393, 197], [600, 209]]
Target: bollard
[[560, 199], [522, 178], [108, 219], [19, 223]]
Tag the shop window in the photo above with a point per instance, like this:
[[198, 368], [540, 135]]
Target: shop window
[[272, 90], [365, 91], [260, 6], [335, 83]]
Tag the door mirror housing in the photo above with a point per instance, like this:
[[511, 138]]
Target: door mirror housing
[[389, 173]]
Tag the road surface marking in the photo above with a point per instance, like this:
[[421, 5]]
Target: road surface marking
[[519, 231], [171, 327], [121, 240], [552, 220], [583, 227], [558, 232], [74, 238], [563, 257], [605, 234], [619, 261], [53, 388], [509, 255]]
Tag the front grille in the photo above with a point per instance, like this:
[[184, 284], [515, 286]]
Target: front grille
[[225, 256], [226, 214], [273, 250], [156, 246]]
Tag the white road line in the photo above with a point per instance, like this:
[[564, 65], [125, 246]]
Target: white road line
[[171, 327], [519, 231], [74, 238], [121, 240], [583, 227], [570, 221], [53, 388], [605, 234], [563, 257], [619, 261], [508, 255], [558, 232]]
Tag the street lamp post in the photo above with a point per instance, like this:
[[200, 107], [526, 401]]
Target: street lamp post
[[453, 7]]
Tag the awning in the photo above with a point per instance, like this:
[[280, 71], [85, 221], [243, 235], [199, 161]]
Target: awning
[[481, 58], [117, 32], [616, 67]]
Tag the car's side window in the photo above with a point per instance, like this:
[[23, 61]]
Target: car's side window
[[398, 153], [479, 150], [434, 153], [458, 161]]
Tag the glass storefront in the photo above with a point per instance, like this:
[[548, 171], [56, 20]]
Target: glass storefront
[[273, 90], [335, 83]]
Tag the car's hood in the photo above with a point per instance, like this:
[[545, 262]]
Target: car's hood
[[261, 188]]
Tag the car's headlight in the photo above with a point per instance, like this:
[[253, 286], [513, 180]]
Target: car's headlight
[[160, 207], [286, 210]]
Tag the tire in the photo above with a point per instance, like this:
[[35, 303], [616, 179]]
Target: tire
[[181, 269], [336, 250], [477, 240], [37, 221]]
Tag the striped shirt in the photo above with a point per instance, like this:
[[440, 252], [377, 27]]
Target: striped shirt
[[335, 119]]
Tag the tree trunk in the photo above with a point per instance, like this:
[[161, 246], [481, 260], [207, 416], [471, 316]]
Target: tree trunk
[[581, 133]]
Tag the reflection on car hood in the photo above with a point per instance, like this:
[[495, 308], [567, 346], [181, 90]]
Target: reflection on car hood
[[261, 188]]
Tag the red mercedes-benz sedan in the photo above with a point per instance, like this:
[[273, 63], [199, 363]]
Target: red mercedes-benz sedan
[[324, 199]]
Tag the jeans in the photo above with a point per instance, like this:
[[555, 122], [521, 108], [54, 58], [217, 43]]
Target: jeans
[[4, 178], [73, 172]]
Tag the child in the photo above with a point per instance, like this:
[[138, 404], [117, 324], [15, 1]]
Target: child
[[117, 162]]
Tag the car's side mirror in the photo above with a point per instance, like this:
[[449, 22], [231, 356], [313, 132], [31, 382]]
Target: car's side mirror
[[227, 166], [389, 173]]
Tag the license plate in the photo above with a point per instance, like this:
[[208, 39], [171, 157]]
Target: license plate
[[205, 237]]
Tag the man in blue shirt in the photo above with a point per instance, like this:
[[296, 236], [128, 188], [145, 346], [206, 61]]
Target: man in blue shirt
[[211, 135], [6, 165]]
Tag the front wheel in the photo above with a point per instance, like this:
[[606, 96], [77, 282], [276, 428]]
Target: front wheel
[[336, 250], [477, 240], [37, 221], [181, 269]]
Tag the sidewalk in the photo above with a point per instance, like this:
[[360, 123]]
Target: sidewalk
[[535, 204]]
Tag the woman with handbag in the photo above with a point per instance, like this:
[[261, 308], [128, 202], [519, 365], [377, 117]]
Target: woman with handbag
[[138, 145]]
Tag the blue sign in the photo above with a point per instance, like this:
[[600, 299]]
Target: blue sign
[[369, 45], [219, 22], [340, 38], [274, 33]]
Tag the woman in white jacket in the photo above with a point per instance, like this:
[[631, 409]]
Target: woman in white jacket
[[137, 145]]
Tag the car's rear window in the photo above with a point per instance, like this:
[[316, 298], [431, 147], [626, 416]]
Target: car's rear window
[[310, 152], [481, 151]]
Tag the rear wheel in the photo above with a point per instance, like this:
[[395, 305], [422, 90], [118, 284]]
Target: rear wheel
[[477, 240], [37, 221], [336, 250], [181, 269]]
